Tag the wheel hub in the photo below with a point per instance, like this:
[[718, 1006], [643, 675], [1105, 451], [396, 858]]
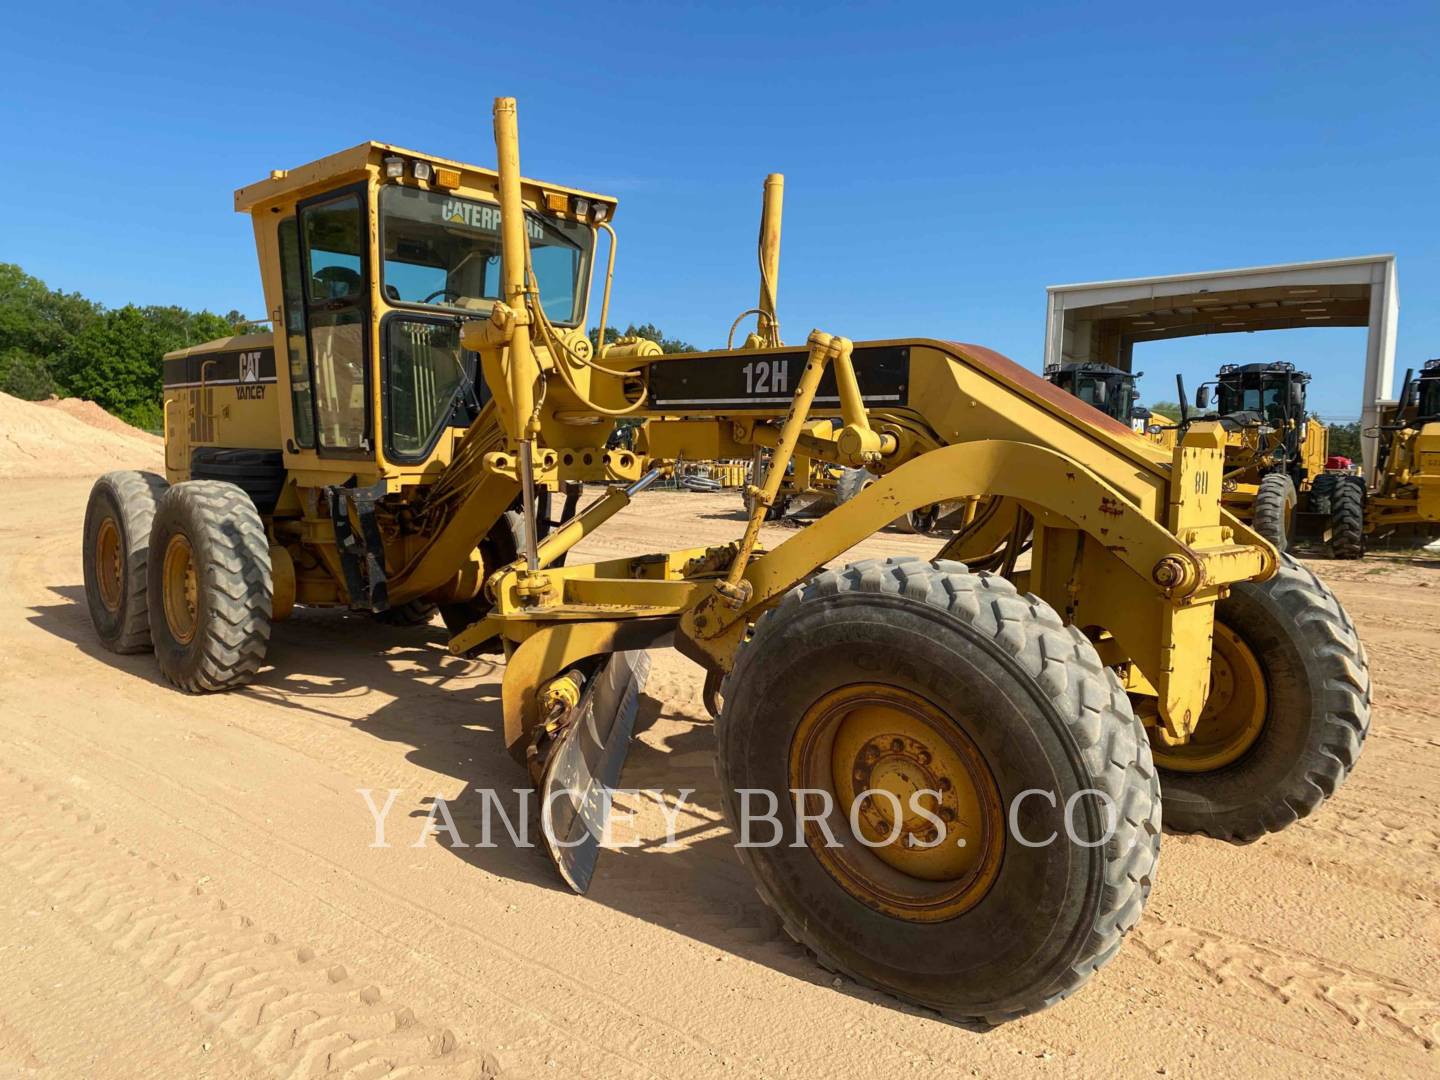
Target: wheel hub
[[109, 564], [1234, 713], [181, 587], [915, 809]]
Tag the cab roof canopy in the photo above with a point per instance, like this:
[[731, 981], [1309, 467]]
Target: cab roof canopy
[[355, 164], [1104, 320]]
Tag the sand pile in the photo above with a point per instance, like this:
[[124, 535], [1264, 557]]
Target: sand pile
[[95, 416], [66, 438]]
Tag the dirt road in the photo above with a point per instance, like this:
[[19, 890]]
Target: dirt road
[[187, 886]]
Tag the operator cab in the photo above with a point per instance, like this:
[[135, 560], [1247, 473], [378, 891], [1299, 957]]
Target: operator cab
[[1107, 388], [372, 258], [1272, 394]]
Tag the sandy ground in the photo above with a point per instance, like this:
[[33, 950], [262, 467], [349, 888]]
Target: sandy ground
[[187, 886]]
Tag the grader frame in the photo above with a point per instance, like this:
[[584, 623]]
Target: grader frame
[[1130, 543]]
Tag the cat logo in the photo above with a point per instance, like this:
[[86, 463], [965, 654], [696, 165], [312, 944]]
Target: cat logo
[[250, 367], [483, 216]]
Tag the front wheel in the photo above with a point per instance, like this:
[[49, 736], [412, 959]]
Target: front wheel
[[981, 819], [1288, 710], [1274, 508], [1347, 518]]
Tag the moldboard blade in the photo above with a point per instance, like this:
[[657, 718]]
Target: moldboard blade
[[584, 766]]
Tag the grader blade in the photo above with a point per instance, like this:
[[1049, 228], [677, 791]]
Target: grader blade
[[584, 763]]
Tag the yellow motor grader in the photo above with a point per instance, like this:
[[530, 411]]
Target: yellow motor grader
[[967, 763], [1275, 453], [1406, 497]]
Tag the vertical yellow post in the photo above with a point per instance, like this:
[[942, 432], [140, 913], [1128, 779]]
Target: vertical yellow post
[[770, 257], [823, 349], [523, 370]]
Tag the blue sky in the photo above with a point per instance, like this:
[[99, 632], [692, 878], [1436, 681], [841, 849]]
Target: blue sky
[[943, 163]]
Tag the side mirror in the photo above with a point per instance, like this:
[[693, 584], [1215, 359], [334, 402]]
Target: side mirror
[[1202, 397], [1102, 393], [1297, 395]]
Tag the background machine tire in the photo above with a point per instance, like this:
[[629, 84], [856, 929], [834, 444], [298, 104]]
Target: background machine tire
[[116, 552], [1274, 506], [210, 586], [1321, 489], [1347, 518], [853, 481], [1238, 781], [1022, 704]]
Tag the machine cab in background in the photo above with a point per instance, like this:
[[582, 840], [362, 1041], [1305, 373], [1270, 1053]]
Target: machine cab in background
[[371, 260], [1109, 389]]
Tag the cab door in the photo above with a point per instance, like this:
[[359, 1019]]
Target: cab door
[[335, 259]]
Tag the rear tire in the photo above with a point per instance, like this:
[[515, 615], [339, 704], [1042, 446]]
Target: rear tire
[[1316, 713], [774, 512], [1029, 696], [1347, 518], [1274, 505], [1321, 490], [414, 613], [210, 586], [853, 481], [116, 552]]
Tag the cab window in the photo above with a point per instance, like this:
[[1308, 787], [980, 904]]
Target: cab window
[[425, 371], [443, 251], [301, 399], [333, 238]]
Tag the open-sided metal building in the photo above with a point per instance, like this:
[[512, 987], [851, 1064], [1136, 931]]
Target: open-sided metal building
[[1103, 321]]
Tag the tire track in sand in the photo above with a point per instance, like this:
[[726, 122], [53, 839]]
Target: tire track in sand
[[295, 1013], [1365, 1000]]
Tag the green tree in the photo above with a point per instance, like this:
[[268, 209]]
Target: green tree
[[25, 375], [1167, 408], [648, 331], [36, 323], [1345, 440], [117, 361]]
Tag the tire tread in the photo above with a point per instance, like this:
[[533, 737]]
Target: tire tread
[[236, 577], [1097, 714]]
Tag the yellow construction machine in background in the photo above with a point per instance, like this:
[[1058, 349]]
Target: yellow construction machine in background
[[1405, 501]]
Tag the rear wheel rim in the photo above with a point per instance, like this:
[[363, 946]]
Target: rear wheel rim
[[109, 564], [875, 738], [181, 589], [1234, 713]]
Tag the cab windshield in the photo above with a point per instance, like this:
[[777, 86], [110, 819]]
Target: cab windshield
[[442, 251], [1109, 396], [1267, 398]]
